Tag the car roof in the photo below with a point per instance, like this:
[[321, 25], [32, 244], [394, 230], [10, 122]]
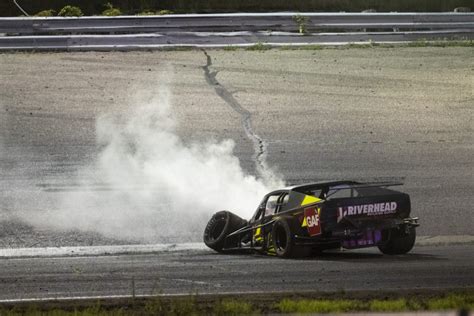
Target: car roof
[[307, 186], [337, 184]]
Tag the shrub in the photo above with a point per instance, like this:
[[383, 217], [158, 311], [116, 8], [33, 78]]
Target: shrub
[[302, 21], [164, 12], [147, 12], [70, 10], [462, 9], [110, 10], [46, 13]]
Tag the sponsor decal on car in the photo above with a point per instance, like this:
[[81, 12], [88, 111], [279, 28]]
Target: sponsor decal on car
[[311, 217], [368, 239], [374, 209]]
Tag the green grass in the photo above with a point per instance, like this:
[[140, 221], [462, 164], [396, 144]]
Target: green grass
[[419, 43], [234, 307], [306, 47], [452, 301], [231, 48], [258, 47], [449, 302], [196, 305], [317, 306], [399, 305], [441, 43]]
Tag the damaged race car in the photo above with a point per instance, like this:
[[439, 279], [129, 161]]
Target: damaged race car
[[310, 218]]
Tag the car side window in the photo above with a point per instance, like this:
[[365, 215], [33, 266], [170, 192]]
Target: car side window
[[271, 205], [282, 202], [342, 191]]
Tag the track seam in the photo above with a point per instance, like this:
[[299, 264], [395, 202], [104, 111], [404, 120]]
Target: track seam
[[246, 117]]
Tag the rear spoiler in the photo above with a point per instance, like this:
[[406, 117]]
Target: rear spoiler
[[371, 184]]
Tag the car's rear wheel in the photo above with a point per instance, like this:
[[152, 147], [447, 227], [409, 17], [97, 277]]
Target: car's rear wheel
[[284, 241], [219, 226], [398, 241]]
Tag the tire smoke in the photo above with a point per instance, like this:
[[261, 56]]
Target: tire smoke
[[148, 185]]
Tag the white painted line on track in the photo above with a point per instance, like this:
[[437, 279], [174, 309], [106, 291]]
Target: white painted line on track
[[96, 250], [83, 251], [444, 240]]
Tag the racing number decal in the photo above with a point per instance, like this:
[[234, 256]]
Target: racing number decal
[[311, 216]]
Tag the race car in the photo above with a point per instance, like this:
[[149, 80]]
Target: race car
[[307, 219]]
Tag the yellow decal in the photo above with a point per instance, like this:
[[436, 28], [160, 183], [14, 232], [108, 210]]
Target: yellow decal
[[308, 199], [257, 234]]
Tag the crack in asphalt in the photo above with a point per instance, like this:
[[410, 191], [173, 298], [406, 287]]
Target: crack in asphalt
[[246, 117]]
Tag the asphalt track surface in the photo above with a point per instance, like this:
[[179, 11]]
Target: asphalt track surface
[[205, 272], [365, 114]]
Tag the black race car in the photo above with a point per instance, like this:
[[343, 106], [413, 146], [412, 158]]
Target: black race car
[[305, 219]]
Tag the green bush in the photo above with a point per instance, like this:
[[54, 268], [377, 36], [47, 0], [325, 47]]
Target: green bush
[[110, 10], [164, 12], [70, 10], [147, 12], [46, 13]]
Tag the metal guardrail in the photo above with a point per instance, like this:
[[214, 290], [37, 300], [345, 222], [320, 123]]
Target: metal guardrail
[[284, 22], [217, 30], [128, 42]]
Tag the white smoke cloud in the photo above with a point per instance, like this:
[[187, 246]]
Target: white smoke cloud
[[149, 185]]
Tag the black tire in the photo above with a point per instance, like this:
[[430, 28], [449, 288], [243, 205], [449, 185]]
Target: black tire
[[400, 241], [284, 241], [219, 226]]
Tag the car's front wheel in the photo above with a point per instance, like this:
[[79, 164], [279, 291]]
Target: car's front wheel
[[398, 241], [219, 226]]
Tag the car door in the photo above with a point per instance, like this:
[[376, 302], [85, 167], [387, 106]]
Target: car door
[[270, 206]]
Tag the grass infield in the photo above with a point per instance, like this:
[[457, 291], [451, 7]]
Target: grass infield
[[253, 304]]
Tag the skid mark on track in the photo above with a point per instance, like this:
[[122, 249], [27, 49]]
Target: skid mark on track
[[259, 144]]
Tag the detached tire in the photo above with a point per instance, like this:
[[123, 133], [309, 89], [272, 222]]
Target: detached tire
[[284, 241], [219, 226], [399, 242]]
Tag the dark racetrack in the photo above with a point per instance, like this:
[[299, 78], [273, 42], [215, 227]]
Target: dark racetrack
[[205, 272], [402, 114]]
